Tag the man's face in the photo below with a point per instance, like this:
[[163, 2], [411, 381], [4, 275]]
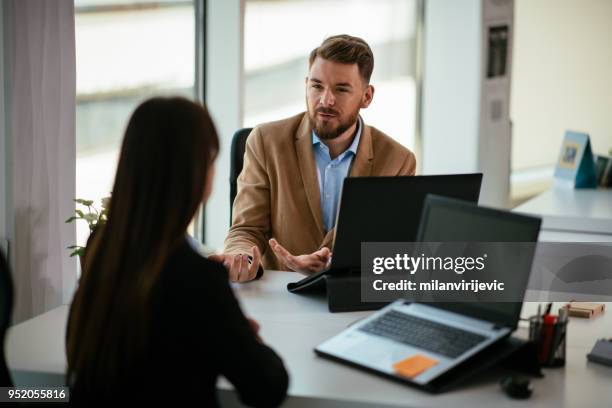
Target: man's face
[[335, 93]]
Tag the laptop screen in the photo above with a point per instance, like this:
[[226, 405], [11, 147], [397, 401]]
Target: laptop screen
[[448, 220], [370, 208]]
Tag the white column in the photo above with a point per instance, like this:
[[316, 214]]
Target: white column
[[465, 116], [495, 135], [224, 91]]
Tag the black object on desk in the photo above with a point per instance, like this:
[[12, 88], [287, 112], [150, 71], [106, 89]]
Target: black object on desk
[[516, 387], [343, 292], [602, 352], [548, 333]]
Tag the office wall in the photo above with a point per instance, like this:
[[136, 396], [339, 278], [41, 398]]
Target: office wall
[[562, 77]]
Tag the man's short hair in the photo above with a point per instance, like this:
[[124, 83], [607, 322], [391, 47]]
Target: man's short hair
[[346, 49]]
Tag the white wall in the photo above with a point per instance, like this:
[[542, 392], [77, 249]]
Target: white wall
[[562, 77]]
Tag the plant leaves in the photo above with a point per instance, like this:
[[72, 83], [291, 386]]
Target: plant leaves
[[84, 202], [90, 217], [79, 252], [71, 219]]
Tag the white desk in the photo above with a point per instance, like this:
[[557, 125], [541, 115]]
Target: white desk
[[293, 325], [583, 212]]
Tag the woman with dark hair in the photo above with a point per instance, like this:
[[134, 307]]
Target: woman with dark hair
[[152, 320]]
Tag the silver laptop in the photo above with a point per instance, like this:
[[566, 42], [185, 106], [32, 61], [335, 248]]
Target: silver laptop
[[444, 333], [402, 329]]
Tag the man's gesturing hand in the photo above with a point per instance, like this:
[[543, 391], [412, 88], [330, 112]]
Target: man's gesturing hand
[[307, 264], [238, 266]]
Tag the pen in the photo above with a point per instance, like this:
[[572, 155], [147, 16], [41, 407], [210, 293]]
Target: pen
[[534, 330], [557, 339], [547, 338], [563, 315], [548, 307]]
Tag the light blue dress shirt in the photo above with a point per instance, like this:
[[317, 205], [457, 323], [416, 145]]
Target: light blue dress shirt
[[332, 173]]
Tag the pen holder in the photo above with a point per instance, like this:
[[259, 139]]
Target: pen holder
[[549, 336]]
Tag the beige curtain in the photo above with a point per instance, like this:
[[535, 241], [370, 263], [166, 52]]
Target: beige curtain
[[40, 104]]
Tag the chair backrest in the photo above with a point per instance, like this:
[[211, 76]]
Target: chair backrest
[[6, 309], [236, 162]]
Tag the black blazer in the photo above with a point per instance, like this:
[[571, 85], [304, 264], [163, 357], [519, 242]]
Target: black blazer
[[199, 333]]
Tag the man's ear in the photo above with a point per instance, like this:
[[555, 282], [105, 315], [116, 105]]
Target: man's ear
[[367, 97]]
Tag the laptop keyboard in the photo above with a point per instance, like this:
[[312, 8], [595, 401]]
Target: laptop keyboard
[[426, 334]]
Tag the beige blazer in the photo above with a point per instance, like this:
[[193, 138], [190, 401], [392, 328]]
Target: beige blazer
[[278, 189]]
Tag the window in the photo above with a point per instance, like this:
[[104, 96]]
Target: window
[[126, 51], [279, 35]]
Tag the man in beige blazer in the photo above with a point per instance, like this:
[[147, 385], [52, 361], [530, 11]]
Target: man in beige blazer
[[280, 210]]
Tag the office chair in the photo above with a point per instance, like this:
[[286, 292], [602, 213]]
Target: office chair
[[6, 309], [236, 162]]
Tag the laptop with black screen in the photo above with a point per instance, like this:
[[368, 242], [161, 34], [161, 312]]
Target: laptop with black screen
[[384, 209]]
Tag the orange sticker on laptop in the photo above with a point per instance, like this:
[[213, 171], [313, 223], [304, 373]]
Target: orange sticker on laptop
[[413, 366]]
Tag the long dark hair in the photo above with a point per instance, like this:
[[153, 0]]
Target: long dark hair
[[168, 148]]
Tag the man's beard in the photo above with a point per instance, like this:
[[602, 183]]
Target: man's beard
[[326, 131]]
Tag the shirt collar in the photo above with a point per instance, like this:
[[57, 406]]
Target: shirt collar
[[353, 147]]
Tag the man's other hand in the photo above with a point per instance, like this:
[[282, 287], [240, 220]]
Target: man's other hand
[[307, 264]]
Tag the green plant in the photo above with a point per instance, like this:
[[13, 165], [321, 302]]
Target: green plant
[[92, 215]]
